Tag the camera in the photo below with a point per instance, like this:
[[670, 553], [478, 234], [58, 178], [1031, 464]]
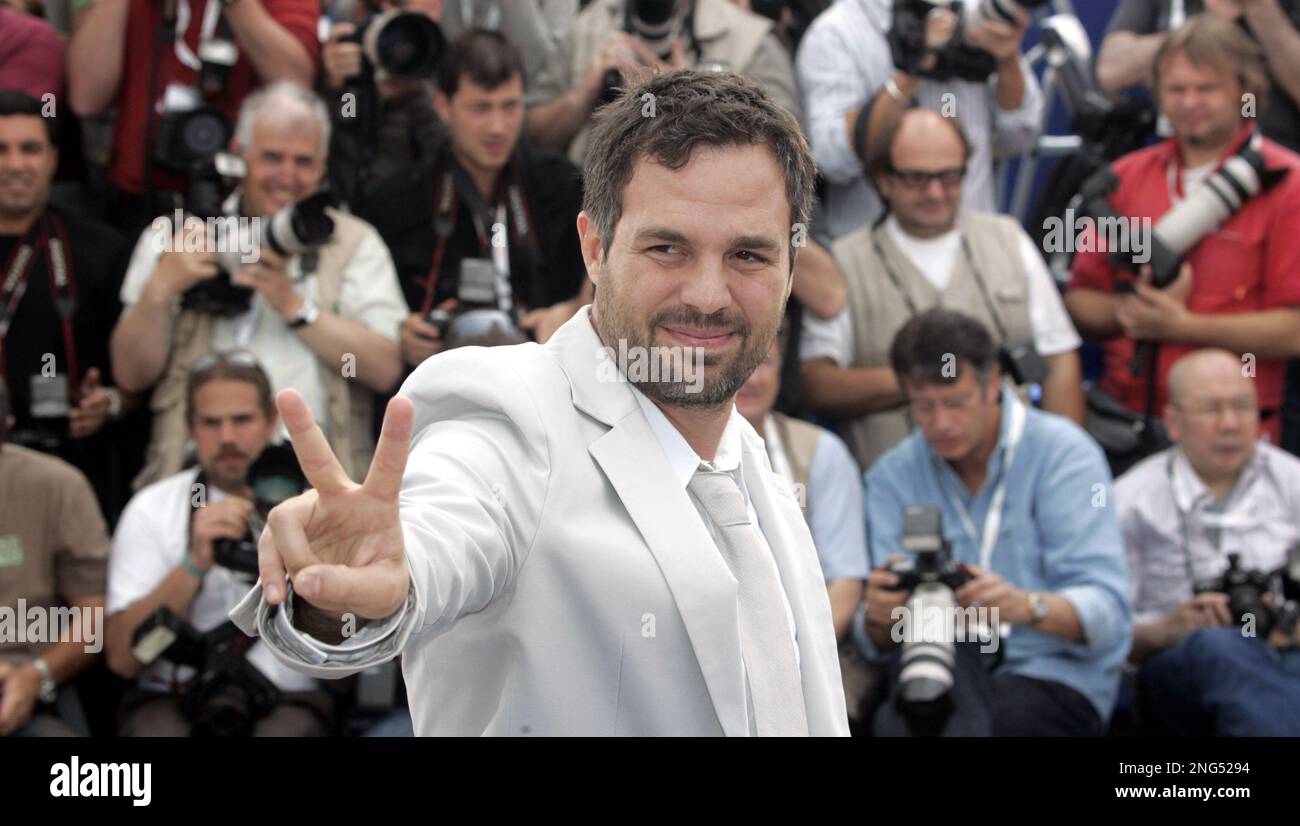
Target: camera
[[1242, 176], [931, 576], [273, 477], [1020, 359], [401, 45], [299, 229], [654, 22], [227, 695], [957, 58], [1245, 590], [478, 318]]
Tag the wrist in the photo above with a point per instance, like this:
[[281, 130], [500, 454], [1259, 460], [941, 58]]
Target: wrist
[[289, 307], [194, 565]]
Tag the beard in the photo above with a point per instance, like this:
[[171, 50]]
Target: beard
[[723, 373]]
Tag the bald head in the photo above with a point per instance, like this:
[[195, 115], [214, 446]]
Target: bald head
[[918, 164], [1208, 368], [1213, 414], [917, 134]]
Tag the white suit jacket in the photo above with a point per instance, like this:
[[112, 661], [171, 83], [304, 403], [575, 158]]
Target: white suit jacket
[[563, 583]]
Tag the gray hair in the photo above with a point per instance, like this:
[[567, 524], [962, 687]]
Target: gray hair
[[284, 103], [694, 109]]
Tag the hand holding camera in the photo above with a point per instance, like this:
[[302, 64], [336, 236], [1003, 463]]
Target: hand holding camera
[[999, 37], [178, 271], [341, 56], [618, 55], [226, 519], [986, 589], [883, 595], [421, 339], [1152, 314], [269, 276]]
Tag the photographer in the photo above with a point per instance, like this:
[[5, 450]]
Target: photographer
[[324, 322], [53, 555], [612, 37], [1217, 491], [1139, 28], [1014, 485], [385, 125], [488, 201], [124, 53], [852, 87], [164, 554], [57, 311], [930, 251], [1239, 285]]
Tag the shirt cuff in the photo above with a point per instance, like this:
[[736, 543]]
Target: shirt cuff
[[372, 644], [1102, 626]]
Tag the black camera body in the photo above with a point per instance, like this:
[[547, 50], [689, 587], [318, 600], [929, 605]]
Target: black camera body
[[1245, 590], [1020, 359], [478, 316], [227, 695], [273, 477], [652, 21], [932, 562], [957, 58]]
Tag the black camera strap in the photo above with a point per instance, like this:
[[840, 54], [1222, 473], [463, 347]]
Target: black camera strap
[[48, 232], [454, 183]]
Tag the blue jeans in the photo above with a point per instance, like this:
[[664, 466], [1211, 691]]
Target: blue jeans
[[1217, 682]]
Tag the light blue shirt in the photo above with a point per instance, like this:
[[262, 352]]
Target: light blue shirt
[[1059, 534]]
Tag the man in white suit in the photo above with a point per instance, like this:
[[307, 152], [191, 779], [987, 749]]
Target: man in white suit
[[573, 545]]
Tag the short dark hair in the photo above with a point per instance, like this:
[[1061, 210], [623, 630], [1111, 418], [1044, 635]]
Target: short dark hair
[[692, 109], [488, 58], [220, 367], [880, 154], [936, 345], [17, 103]]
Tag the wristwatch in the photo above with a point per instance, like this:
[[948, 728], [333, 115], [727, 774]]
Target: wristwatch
[[49, 688], [307, 314], [1037, 608]]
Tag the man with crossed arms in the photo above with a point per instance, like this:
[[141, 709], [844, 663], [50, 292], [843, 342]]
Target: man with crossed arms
[[567, 548]]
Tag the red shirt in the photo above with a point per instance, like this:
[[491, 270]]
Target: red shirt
[[134, 109], [31, 55], [1251, 263]]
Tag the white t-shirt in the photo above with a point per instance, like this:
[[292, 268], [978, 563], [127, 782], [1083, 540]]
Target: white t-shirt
[[368, 294], [1053, 331], [151, 539]]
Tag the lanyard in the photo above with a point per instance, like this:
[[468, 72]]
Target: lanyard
[[62, 287], [993, 521], [447, 211], [211, 13]]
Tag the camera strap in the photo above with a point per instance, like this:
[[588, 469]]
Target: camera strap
[[984, 289], [993, 520], [893, 276], [63, 288], [211, 15], [455, 184]]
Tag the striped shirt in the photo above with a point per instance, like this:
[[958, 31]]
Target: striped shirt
[[844, 61], [1177, 534]]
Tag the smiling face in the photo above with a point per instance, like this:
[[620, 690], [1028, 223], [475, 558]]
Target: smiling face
[[285, 164], [699, 262], [27, 164], [1202, 101]]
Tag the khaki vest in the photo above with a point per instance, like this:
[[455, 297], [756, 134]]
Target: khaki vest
[[350, 402], [726, 34], [799, 441], [878, 310]]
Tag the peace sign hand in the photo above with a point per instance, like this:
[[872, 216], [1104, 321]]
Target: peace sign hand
[[341, 543]]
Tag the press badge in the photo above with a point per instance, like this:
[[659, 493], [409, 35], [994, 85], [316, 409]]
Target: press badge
[[11, 551], [49, 397]]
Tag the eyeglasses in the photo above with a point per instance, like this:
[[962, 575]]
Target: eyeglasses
[[1242, 407], [920, 179], [236, 358], [924, 408]]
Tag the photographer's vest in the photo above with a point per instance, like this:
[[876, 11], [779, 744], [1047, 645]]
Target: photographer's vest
[[798, 440], [723, 31], [878, 310], [350, 402]]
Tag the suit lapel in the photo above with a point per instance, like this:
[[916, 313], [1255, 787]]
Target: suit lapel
[[703, 589]]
